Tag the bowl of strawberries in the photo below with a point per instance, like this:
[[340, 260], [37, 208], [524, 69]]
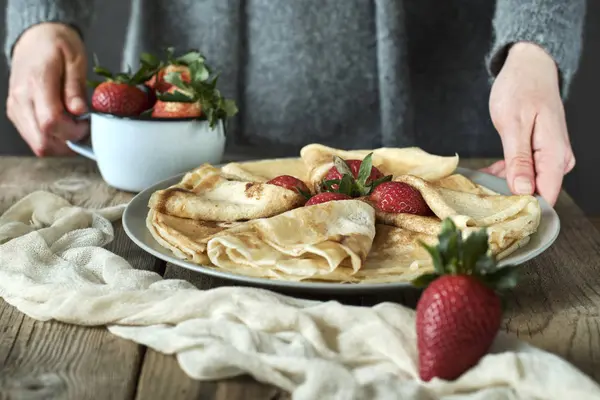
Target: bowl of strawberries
[[165, 118]]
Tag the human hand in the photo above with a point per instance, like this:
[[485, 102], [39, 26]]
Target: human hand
[[47, 80], [527, 111]]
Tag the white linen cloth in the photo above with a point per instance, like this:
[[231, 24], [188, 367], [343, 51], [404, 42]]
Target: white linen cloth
[[53, 266]]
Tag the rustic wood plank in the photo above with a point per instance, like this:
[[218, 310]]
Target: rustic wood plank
[[555, 306], [54, 360]]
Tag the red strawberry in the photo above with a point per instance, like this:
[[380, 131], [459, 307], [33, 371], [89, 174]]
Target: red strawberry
[[354, 166], [177, 109], [459, 313], [355, 178], [172, 109], [120, 99], [291, 183], [399, 197], [158, 83], [121, 94], [325, 197], [179, 64]]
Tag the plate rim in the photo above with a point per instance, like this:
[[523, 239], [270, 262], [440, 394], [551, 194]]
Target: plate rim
[[302, 285]]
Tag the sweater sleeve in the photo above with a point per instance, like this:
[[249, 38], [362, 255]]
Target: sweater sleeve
[[22, 14], [554, 25]]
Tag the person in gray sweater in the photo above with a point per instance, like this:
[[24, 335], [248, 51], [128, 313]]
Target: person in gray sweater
[[478, 78]]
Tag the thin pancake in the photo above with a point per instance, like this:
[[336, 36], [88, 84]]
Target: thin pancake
[[206, 194], [264, 170], [508, 219], [390, 161], [305, 243]]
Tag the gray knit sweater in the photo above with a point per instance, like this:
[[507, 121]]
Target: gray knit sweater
[[346, 73]]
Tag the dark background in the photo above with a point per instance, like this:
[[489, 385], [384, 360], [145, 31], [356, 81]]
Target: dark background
[[108, 33]]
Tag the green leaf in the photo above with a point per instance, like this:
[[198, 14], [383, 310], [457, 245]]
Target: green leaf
[[174, 78], [422, 281], [147, 113], [198, 72], [303, 193], [103, 72], [486, 264], [342, 166], [176, 97], [379, 181], [169, 52], [346, 185], [436, 258], [448, 246], [149, 60], [189, 58], [365, 170], [329, 184], [93, 84], [122, 77], [475, 246], [504, 278], [230, 108]]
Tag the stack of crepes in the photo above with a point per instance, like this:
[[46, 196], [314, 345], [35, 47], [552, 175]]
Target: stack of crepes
[[229, 218]]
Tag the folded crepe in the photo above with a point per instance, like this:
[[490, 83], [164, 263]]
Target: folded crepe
[[208, 194], [327, 241], [509, 220], [264, 170], [396, 256], [390, 161]]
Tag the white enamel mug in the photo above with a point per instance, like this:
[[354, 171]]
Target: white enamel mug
[[134, 153]]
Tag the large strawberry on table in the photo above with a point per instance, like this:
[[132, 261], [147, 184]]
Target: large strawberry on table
[[459, 313]]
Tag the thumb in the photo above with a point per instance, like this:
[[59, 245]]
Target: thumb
[[520, 175], [74, 82]]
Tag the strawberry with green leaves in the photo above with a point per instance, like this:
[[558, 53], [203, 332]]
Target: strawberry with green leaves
[[460, 311], [121, 94], [354, 178], [199, 97], [179, 64]]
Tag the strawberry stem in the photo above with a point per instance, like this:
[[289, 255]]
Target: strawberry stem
[[348, 184], [455, 255]]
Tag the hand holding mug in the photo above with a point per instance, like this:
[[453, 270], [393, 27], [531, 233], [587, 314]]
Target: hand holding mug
[[47, 83]]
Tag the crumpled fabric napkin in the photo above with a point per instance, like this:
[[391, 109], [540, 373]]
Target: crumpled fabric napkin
[[53, 266]]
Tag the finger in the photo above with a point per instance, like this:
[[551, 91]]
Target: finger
[[47, 98], [501, 173], [549, 159], [71, 130], [37, 141], [74, 81], [58, 147], [516, 141], [494, 168], [569, 161]]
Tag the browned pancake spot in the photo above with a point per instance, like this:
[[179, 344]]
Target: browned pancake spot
[[161, 204], [208, 183], [253, 190]]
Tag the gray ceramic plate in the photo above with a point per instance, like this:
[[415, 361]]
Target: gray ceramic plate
[[134, 222]]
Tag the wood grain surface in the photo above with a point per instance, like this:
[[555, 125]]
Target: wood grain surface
[[555, 307]]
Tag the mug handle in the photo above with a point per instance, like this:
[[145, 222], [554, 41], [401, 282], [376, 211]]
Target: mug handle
[[79, 147]]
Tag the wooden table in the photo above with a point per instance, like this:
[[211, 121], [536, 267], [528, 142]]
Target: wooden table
[[556, 307]]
